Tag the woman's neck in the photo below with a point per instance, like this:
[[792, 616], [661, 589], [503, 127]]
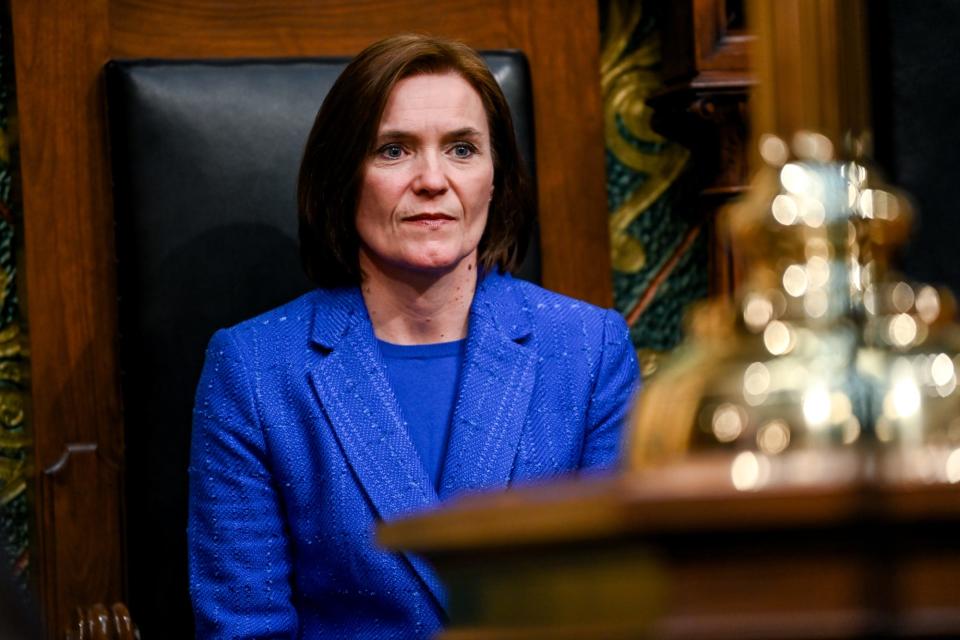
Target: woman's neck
[[414, 307]]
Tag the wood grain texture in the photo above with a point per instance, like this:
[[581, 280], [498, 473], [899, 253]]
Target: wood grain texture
[[562, 41], [68, 237], [82, 525], [270, 28], [840, 558]]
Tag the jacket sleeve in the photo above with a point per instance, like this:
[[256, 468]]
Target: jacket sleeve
[[238, 550], [615, 386]]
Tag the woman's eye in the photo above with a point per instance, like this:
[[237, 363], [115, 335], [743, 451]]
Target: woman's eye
[[462, 150], [391, 151]]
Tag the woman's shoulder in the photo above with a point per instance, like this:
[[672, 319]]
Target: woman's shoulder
[[552, 311], [290, 325], [545, 299]]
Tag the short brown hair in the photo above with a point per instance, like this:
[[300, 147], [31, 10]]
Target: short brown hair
[[344, 133]]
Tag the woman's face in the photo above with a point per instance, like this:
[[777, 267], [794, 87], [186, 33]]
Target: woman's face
[[427, 185]]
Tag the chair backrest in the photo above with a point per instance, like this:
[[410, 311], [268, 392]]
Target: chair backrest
[[205, 157]]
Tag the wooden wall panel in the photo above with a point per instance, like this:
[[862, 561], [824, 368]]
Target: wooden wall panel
[[82, 525], [703, 105], [60, 49], [562, 41], [210, 28], [68, 235]]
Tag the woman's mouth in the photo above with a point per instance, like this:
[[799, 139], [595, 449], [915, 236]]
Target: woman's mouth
[[429, 219]]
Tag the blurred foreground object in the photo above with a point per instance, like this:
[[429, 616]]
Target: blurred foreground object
[[680, 552], [793, 471], [825, 348], [99, 623]]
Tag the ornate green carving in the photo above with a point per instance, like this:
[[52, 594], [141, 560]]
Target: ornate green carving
[[15, 439], [659, 258]]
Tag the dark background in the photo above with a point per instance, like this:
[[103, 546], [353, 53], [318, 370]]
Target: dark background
[[915, 64]]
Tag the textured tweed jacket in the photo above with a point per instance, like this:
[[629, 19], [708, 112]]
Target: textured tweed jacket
[[300, 448]]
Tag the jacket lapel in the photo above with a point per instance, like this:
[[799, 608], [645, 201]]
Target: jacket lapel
[[496, 385], [359, 403], [366, 419]]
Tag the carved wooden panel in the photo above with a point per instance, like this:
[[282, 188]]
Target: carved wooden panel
[[704, 39], [704, 105]]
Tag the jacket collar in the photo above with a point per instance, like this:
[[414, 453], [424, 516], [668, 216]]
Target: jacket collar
[[497, 302], [496, 384], [335, 311]]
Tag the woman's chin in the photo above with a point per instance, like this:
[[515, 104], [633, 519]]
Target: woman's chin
[[419, 262], [438, 264], [438, 267]]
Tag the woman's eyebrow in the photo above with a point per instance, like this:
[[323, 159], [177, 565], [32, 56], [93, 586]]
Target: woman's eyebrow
[[465, 132], [401, 135], [395, 134]]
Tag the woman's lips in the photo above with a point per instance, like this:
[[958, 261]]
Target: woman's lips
[[427, 216], [429, 219]]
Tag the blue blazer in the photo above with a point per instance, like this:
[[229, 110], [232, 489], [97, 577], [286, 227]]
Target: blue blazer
[[299, 449]]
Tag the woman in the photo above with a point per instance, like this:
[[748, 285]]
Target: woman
[[416, 371]]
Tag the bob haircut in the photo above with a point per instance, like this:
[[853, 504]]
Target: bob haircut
[[344, 134]]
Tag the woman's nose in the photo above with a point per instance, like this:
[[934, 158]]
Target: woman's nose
[[431, 178]]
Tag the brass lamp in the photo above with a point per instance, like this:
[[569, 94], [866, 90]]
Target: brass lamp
[[826, 365]]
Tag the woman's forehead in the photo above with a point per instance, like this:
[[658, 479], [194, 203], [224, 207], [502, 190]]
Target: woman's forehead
[[433, 101]]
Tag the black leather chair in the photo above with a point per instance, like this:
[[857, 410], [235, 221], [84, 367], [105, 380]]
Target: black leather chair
[[205, 157]]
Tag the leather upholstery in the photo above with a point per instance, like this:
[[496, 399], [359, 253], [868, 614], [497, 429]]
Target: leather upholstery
[[205, 157]]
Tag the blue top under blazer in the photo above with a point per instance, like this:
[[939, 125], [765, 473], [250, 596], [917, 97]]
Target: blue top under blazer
[[299, 449]]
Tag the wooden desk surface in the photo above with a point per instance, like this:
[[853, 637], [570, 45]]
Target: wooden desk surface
[[835, 546]]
